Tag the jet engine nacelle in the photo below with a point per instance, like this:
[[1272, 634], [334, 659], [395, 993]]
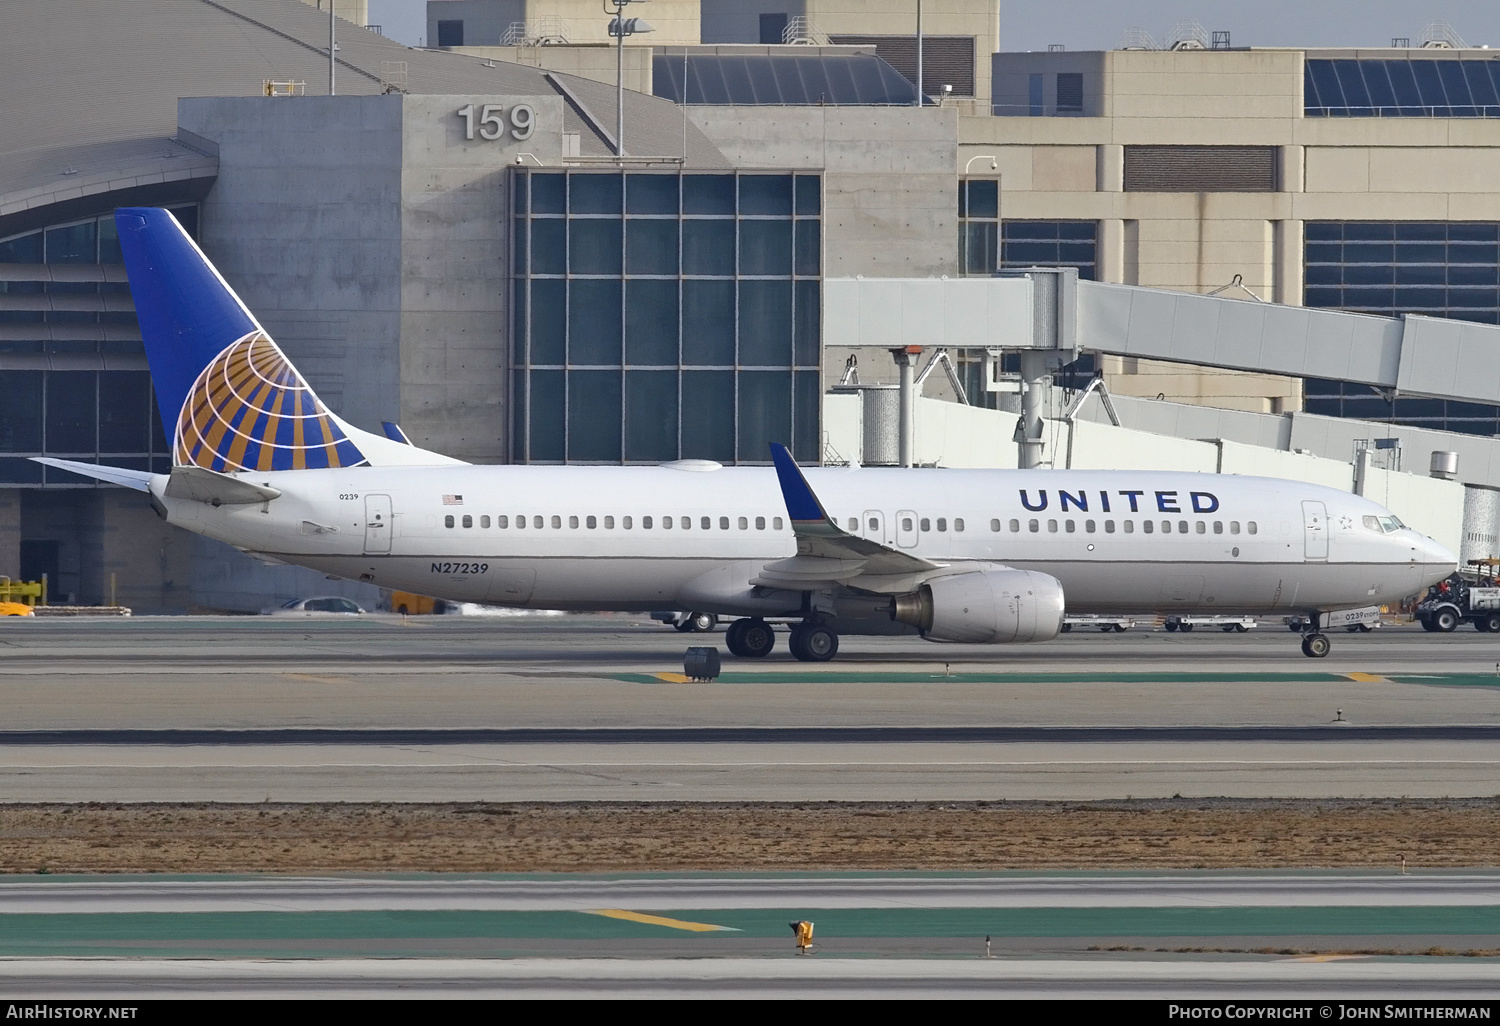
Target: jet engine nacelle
[[985, 607]]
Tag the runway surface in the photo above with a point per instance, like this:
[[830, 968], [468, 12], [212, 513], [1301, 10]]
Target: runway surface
[[592, 708], [1179, 936]]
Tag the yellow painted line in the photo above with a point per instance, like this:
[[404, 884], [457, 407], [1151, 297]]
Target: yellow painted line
[[1324, 958], [641, 917], [1367, 678], [673, 678]]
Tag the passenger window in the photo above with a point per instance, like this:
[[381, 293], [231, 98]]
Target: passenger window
[[1202, 529], [1251, 526], [520, 522], [1234, 527], [1182, 527], [448, 520], [1070, 526], [1088, 525], [1052, 527], [1034, 526], [874, 524], [723, 523], [906, 523], [1147, 526], [853, 523], [942, 523], [776, 523], [484, 521], [994, 525], [707, 523], [926, 524], [645, 523], [468, 520], [666, 523], [760, 523], [1015, 527], [1109, 527], [557, 522], [502, 522], [536, 522], [744, 524], [591, 523], [1129, 526], [1218, 527], [687, 523], [958, 523], [573, 523]]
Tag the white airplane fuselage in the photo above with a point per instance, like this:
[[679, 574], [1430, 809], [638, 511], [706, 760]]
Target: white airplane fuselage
[[1118, 541]]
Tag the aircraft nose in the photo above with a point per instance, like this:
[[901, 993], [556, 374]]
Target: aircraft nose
[[1436, 560]]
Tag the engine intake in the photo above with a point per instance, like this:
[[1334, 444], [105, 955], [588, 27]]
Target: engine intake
[[985, 607]]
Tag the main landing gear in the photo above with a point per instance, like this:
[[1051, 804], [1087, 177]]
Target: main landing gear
[[1315, 645], [753, 638]]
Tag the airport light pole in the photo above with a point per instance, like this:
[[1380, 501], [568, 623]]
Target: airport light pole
[[620, 27]]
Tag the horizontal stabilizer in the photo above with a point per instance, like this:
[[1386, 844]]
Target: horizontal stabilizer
[[394, 433], [201, 485], [140, 480]]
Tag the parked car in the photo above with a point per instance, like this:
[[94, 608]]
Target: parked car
[[321, 604]]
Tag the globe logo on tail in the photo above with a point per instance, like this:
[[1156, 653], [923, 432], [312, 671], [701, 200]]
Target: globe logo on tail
[[250, 410]]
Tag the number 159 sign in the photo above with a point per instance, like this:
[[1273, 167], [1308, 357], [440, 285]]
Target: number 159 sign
[[492, 121]]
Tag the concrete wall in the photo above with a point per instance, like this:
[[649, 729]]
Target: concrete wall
[[10, 533], [673, 22], [305, 223], [1426, 504], [225, 580], [150, 561]]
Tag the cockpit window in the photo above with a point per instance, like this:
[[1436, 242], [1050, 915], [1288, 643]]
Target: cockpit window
[[1391, 524], [1373, 523]]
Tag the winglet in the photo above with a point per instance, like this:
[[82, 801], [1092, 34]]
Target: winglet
[[801, 504]]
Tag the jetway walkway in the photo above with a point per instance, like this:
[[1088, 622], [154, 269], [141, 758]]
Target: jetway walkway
[[1049, 311]]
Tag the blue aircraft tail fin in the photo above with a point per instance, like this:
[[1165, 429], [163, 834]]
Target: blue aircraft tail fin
[[230, 399]]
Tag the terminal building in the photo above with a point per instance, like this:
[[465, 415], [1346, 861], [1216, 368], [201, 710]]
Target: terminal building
[[468, 239]]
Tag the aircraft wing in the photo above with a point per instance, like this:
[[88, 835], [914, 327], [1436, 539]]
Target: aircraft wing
[[826, 553]]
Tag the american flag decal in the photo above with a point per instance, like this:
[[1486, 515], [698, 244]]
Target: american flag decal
[[453, 500]]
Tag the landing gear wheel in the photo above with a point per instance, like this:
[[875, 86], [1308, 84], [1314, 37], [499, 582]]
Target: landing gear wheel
[[698, 623], [1316, 646], [750, 638], [813, 643], [1445, 620]]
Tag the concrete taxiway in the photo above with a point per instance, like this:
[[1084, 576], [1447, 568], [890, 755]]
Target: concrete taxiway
[[1180, 935], [591, 708]]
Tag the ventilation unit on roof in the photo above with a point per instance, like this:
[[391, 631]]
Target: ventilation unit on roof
[[1188, 35], [1137, 38], [1439, 35]]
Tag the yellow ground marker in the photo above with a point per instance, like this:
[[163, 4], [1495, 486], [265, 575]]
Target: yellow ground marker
[[641, 917], [1324, 958], [673, 678], [1367, 678]]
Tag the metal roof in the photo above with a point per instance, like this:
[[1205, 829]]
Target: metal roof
[[91, 89]]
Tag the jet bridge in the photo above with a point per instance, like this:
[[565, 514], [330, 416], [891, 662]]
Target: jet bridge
[[1049, 317]]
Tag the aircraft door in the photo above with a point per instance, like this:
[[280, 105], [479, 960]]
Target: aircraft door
[[1315, 530], [906, 528], [377, 524], [872, 526]]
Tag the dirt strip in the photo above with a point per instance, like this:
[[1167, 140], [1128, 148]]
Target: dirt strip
[[1175, 834]]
